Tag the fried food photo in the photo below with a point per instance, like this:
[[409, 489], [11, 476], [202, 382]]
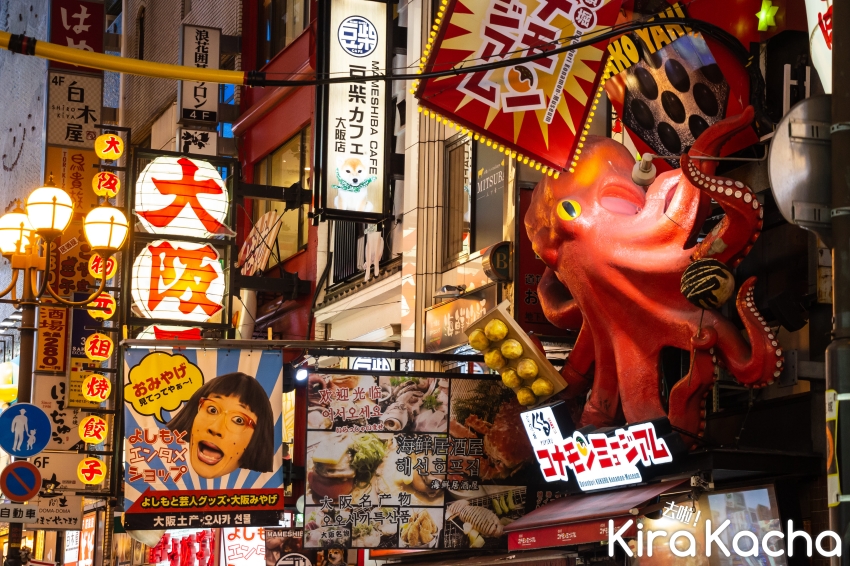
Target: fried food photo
[[420, 530]]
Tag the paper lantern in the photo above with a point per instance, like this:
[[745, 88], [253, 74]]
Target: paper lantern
[[96, 265], [178, 281], [106, 303], [96, 388], [91, 471], [99, 347], [106, 184], [93, 429], [109, 146], [182, 197]]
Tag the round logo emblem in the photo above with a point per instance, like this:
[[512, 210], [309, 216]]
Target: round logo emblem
[[357, 36]]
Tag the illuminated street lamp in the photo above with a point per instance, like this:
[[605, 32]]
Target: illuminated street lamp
[[25, 239]]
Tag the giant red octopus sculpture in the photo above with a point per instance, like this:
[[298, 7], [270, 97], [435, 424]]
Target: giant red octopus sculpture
[[615, 256]]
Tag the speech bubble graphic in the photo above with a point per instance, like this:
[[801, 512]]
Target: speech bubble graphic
[[162, 382]]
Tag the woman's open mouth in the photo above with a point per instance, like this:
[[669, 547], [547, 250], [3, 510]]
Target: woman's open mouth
[[209, 453]]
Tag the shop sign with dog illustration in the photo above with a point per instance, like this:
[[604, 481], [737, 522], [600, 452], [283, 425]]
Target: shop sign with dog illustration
[[354, 180]]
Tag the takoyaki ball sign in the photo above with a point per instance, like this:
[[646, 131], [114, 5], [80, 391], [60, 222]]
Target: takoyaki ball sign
[[354, 178]]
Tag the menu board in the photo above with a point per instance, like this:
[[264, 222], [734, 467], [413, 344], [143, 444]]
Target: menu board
[[413, 463]]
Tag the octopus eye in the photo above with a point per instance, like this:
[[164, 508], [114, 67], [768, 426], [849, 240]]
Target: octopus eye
[[568, 210]]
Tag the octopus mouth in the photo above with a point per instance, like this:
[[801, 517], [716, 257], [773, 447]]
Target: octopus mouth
[[669, 198], [624, 200]]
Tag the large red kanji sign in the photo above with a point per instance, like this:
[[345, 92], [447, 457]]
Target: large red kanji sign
[[537, 109]]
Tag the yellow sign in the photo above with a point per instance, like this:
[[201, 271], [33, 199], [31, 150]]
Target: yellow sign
[[77, 377], [99, 347], [96, 265], [105, 305], [109, 146], [96, 388], [52, 344], [106, 184], [93, 429], [91, 471], [161, 382]]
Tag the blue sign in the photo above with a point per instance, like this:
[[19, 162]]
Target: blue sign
[[24, 430], [20, 481]]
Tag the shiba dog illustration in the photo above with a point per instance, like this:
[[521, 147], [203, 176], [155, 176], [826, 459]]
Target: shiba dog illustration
[[353, 185]]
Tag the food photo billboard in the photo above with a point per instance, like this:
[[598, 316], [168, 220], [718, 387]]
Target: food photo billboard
[[203, 438], [413, 463]]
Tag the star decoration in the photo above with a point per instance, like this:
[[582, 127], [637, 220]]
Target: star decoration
[[766, 15]]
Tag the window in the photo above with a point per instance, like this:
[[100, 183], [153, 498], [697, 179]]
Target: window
[[226, 95], [473, 220], [280, 22], [287, 165], [140, 35]]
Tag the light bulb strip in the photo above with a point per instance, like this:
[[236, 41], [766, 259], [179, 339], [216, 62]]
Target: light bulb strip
[[606, 74]]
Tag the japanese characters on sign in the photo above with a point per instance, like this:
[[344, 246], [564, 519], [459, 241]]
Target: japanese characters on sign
[[74, 105], [97, 265], [51, 394], [93, 429], [91, 471], [539, 108], [401, 462], [186, 547], [79, 24], [96, 388], [59, 511], [200, 47], [59, 471], [103, 307], [52, 342], [99, 347], [178, 472], [245, 546], [355, 179], [109, 147], [446, 323], [596, 460], [106, 184], [18, 513], [87, 539]]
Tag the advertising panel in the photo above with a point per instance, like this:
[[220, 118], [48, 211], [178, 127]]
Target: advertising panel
[[51, 394], [200, 47], [246, 546], [203, 438], [74, 106], [60, 511], [79, 24], [446, 323], [87, 540], [401, 462], [544, 102], [52, 341], [355, 178]]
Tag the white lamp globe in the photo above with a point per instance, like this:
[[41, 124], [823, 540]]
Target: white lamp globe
[[106, 229], [49, 210], [16, 233]]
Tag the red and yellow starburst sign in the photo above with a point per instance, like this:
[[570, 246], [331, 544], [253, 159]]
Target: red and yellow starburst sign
[[538, 110], [93, 429]]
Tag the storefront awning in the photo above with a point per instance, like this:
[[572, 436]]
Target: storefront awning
[[581, 519]]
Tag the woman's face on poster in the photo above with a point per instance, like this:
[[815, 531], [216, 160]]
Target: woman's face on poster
[[221, 432]]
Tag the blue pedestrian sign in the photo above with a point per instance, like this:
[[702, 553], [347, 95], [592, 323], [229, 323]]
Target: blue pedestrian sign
[[24, 430]]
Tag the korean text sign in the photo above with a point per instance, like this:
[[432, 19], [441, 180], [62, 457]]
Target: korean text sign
[[400, 462], [356, 119], [203, 438], [537, 108]]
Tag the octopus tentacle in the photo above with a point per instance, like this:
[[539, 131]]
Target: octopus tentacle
[[758, 363], [734, 235]]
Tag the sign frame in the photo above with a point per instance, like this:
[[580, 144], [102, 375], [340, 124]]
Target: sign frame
[[322, 138]]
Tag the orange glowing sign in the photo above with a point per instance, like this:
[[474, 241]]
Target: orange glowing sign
[[99, 347], [91, 471], [538, 109], [109, 146], [93, 429], [96, 388]]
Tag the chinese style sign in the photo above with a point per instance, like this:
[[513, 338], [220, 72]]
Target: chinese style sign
[[96, 265], [91, 471], [79, 24], [203, 438], [104, 307], [200, 48], [109, 147], [355, 178], [99, 347], [52, 344], [597, 460], [74, 104], [106, 184], [93, 429], [538, 108], [96, 388]]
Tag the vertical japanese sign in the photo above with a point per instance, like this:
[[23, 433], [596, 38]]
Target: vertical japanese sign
[[79, 24], [51, 394], [52, 343], [74, 106], [354, 180], [201, 427], [537, 109], [400, 462], [200, 47], [87, 539]]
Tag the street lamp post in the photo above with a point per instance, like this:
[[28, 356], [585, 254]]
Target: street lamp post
[[25, 239]]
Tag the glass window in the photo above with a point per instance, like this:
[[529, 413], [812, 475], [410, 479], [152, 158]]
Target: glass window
[[287, 165], [280, 22], [473, 220]]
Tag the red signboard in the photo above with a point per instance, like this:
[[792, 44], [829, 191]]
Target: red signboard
[[544, 102], [529, 312], [79, 24], [563, 535]]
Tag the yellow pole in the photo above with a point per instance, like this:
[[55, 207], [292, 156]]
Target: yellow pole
[[72, 56]]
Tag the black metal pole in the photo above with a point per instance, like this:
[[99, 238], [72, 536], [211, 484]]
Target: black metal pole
[[838, 352]]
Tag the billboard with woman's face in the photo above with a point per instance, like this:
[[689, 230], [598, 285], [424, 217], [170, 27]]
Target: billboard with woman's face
[[203, 438]]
